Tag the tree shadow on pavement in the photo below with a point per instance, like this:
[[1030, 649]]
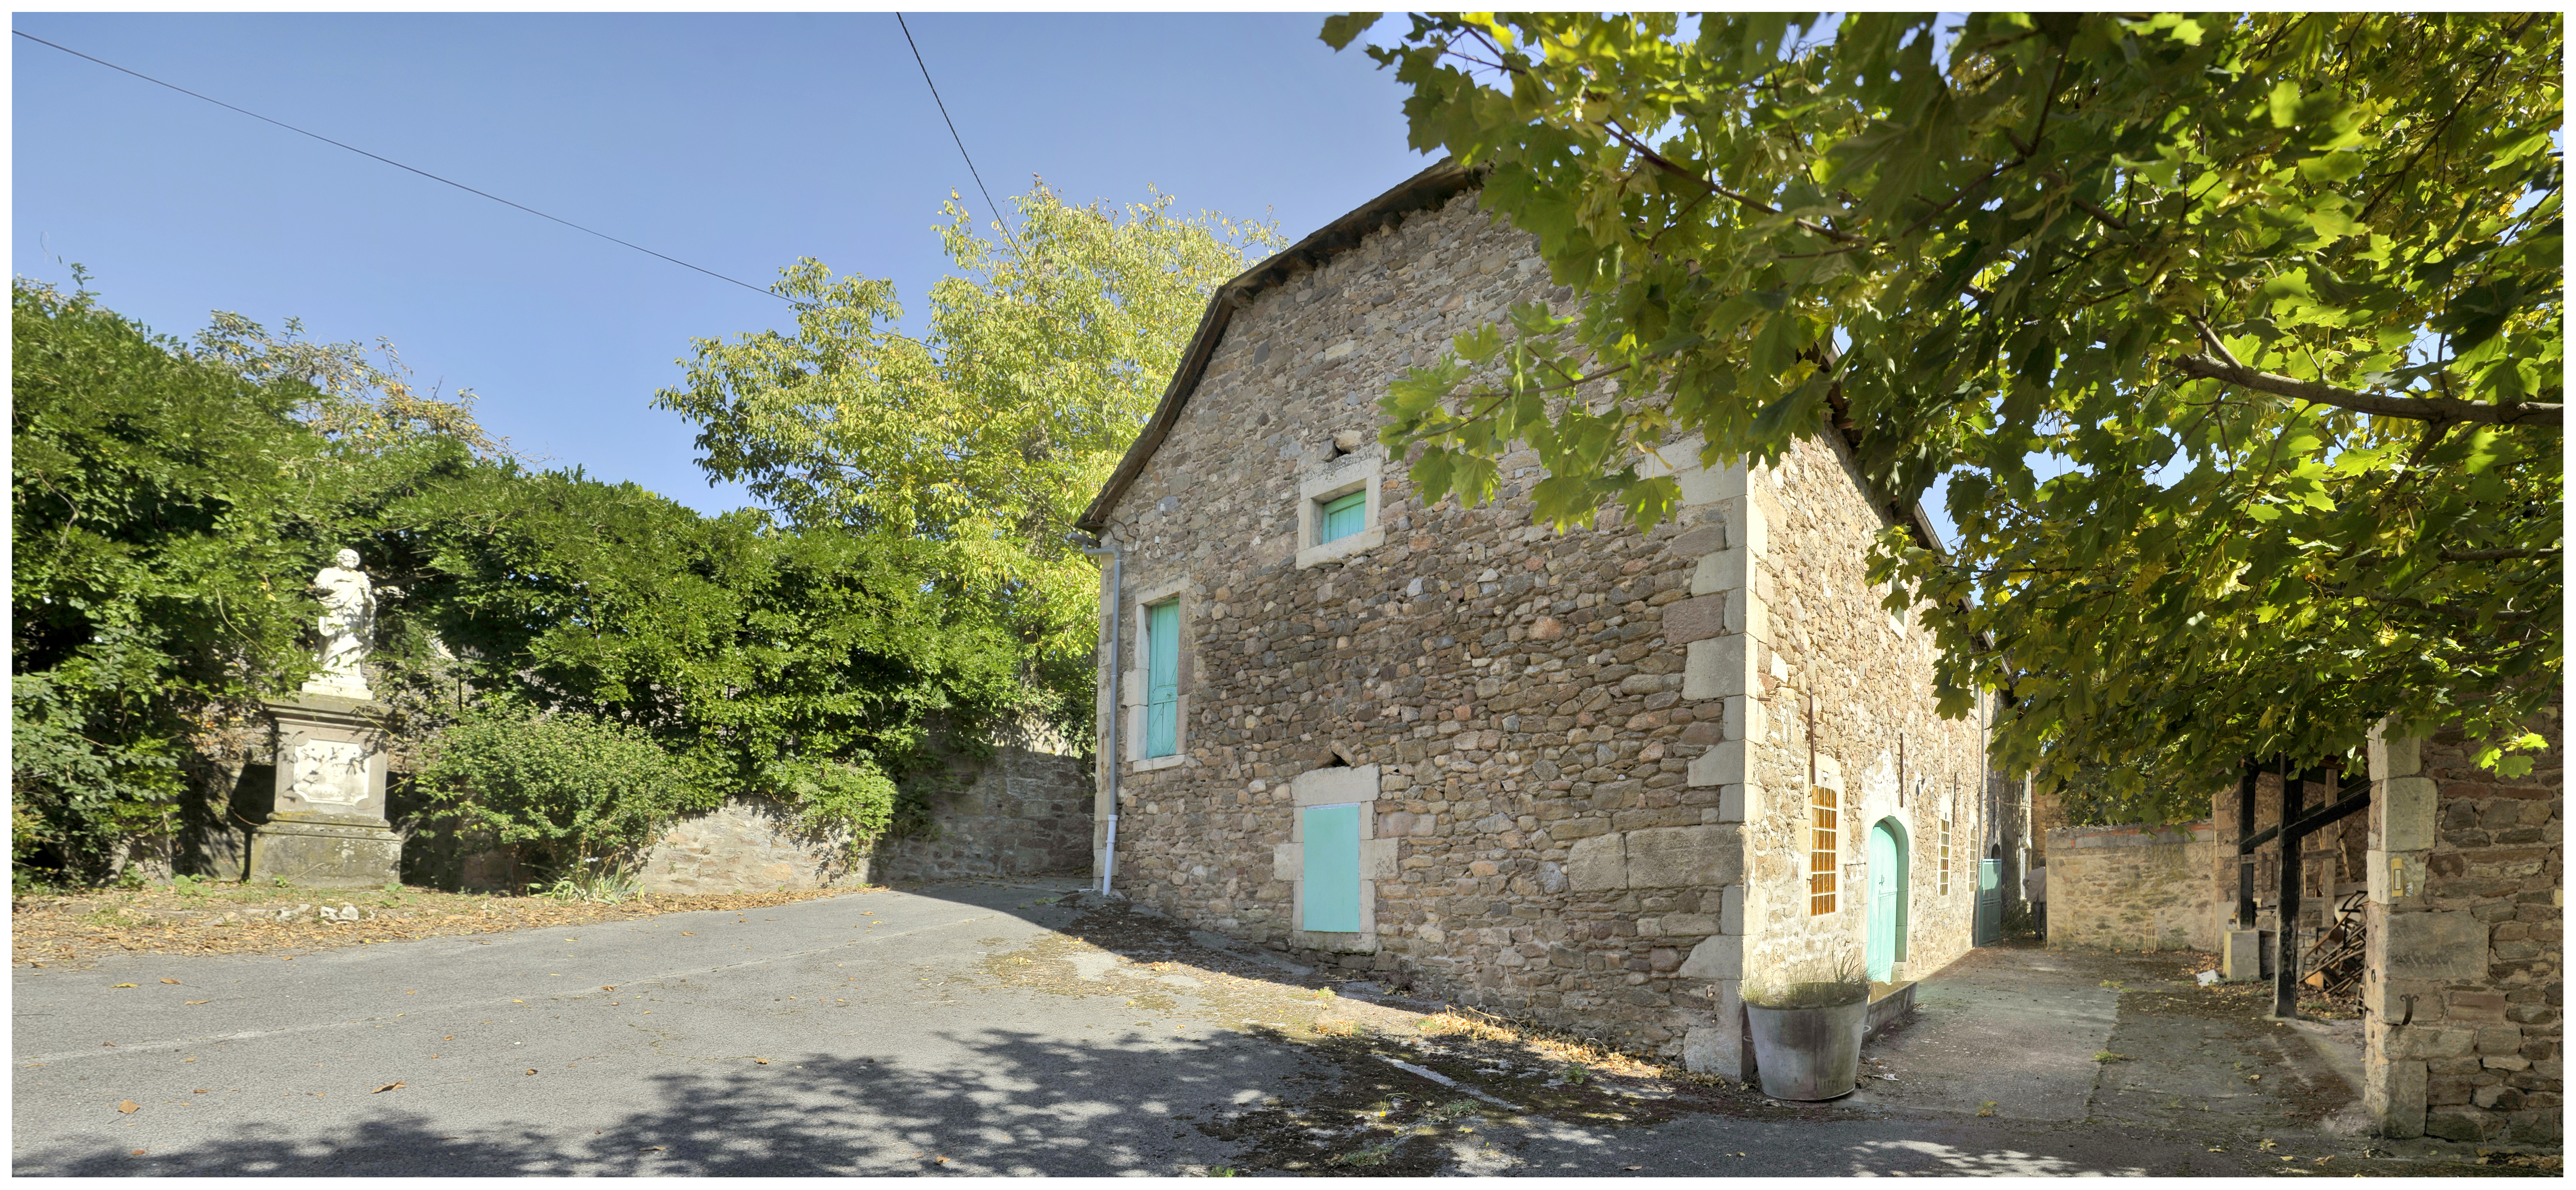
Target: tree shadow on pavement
[[1018, 1105]]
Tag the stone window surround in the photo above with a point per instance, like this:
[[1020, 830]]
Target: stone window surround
[[1335, 786], [1339, 477], [1132, 685]]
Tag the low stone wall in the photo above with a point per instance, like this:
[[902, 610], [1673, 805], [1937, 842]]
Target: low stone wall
[[1026, 812], [1020, 813], [746, 845], [2134, 887]]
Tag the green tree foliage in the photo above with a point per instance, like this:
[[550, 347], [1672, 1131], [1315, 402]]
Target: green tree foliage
[[171, 504], [990, 429], [808, 666], [2237, 338], [349, 397], [565, 790], [167, 512]]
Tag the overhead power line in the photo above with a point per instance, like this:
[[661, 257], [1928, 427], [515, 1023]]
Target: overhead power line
[[422, 172], [989, 204]]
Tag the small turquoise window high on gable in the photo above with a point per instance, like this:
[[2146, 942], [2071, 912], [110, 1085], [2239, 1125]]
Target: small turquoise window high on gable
[[1162, 678], [1343, 516], [1331, 889]]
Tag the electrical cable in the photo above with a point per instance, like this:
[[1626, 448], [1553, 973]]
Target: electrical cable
[[971, 171], [434, 177]]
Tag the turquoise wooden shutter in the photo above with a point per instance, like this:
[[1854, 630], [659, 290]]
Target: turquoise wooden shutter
[[1332, 889], [1162, 678], [1345, 515]]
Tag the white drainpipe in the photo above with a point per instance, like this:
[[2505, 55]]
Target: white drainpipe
[[1109, 746]]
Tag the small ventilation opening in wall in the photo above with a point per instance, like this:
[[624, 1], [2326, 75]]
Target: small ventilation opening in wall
[[1340, 759], [1344, 442]]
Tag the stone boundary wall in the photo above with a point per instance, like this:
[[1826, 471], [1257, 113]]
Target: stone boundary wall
[[1023, 813], [2136, 887], [2466, 989], [1026, 813]]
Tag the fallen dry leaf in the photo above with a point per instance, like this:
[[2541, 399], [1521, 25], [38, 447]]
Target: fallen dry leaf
[[123, 985], [650, 1149], [606, 988], [75, 930], [169, 981], [128, 1106], [532, 1072], [200, 1001], [387, 1087], [108, 1044], [202, 1091], [140, 1152], [761, 1061]]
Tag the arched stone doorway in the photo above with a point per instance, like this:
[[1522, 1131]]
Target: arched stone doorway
[[1889, 888]]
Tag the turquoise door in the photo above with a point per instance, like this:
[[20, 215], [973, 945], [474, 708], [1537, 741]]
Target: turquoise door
[[1886, 900], [1332, 885]]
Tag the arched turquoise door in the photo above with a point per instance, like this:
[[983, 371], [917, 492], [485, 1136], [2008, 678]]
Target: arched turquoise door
[[1886, 899]]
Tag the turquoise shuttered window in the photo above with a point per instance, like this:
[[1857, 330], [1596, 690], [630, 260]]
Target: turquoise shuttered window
[[1332, 885], [1162, 678], [1343, 516]]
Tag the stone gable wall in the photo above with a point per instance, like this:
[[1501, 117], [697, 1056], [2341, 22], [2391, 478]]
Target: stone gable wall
[[1520, 694], [1866, 677]]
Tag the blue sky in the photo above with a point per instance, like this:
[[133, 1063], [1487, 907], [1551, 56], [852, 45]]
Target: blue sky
[[737, 143]]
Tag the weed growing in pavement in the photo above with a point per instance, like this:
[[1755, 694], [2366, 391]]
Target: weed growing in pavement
[[2106, 1057], [1367, 1155], [606, 883]]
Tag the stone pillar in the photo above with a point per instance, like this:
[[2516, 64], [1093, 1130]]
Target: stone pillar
[[327, 826], [2409, 950]]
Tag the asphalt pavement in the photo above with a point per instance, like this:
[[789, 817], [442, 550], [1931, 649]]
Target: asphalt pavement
[[827, 1036], [975, 1029]]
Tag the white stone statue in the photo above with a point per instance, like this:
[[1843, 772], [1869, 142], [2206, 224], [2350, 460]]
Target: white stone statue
[[348, 627]]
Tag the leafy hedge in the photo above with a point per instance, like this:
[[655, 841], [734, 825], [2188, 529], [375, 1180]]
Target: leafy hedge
[[169, 512]]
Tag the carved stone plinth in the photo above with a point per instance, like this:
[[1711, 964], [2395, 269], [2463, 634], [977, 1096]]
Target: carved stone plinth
[[327, 827]]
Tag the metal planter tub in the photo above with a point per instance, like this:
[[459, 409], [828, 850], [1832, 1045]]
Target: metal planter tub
[[1808, 1053]]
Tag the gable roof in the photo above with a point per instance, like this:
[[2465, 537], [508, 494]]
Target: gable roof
[[1423, 191]]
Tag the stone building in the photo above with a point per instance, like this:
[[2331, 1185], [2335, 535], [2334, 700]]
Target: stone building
[[1594, 778]]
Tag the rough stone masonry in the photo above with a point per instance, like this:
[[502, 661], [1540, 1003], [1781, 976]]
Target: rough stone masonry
[[1586, 757], [2466, 984]]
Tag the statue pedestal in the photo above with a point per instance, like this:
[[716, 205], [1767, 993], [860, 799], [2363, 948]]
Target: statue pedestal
[[327, 828]]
